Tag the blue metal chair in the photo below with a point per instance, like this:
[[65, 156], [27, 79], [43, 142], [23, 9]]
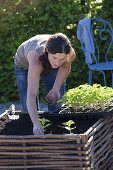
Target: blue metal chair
[[96, 38]]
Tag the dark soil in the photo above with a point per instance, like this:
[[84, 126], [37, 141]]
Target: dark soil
[[23, 125]]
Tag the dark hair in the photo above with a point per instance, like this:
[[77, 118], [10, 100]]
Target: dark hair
[[57, 43], [45, 63]]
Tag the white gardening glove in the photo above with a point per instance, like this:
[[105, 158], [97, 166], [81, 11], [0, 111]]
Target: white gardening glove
[[37, 129], [53, 96]]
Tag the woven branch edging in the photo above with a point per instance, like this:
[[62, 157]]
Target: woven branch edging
[[69, 151]]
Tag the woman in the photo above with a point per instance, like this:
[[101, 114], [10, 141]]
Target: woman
[[43, 56]]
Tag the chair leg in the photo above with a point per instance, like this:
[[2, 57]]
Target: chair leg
[[90, 77], [112, 78], [104, 77]]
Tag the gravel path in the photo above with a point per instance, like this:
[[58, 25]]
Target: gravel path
[[3, 107]]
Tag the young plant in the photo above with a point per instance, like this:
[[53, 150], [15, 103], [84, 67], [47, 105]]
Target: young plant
[[68, 126], [45, 123], [87, 97]]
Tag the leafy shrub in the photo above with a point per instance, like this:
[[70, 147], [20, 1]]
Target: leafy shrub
[[22, 19], [87, 97]]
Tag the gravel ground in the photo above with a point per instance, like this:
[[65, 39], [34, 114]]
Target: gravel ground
[[5, 106]]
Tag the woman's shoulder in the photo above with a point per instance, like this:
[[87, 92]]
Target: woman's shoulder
[[70, 57], [72, 54]]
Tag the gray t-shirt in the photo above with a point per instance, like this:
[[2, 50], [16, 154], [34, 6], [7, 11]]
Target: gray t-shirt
[[36, 43]]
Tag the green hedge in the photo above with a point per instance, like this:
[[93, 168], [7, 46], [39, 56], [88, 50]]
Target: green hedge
[[22, 19]]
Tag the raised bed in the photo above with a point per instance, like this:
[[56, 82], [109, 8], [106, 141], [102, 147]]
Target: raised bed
[[89, 148]]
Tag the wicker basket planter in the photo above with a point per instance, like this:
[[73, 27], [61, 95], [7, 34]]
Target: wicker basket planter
[[89, 148]]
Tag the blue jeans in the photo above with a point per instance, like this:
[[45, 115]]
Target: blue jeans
[[48, 81]]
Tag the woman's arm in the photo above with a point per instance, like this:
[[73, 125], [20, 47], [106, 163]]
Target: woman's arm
[[34, 72], [62, 74], [64, 70]]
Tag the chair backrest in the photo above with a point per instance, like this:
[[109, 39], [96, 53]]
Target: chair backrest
[[96, 37]]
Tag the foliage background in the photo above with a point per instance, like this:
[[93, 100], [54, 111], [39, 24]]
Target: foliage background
[[22, 19]]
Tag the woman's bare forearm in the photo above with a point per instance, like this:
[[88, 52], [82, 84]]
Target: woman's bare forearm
[[62, 74], [32, 108], [64, 70]]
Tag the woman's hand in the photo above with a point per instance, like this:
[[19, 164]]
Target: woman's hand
[[53, 96], [37, 129]]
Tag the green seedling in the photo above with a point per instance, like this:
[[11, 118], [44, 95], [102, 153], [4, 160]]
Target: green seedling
[[87, 97], [45, 123], [68, 124]]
